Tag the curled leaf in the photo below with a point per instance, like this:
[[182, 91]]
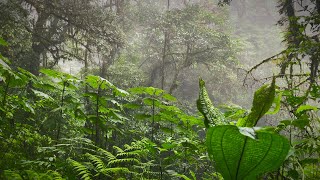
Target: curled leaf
[[212, 115]]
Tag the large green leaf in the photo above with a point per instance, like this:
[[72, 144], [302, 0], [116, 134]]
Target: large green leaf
[[262, 101], [56, 74], [152, 91], [212, 115], [238, 156], [98, 82]]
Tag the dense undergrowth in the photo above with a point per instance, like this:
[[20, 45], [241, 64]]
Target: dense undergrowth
[[58, 126]]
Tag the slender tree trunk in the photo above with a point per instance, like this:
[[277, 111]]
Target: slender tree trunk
[[164, 51], [315, 60], [37, 44], [187, 62], [103, 68], [174, 84], [288, 7]]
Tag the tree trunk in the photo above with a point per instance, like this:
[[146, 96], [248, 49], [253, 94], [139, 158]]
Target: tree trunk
[[37, 45], [164, 52]]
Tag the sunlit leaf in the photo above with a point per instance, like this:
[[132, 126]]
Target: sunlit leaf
[[262, 101], [41, 94], [168, 145], [306, 108], [151, 102], [51, 73], [151, 91], [239, 157], [247, 132], [277, 103]]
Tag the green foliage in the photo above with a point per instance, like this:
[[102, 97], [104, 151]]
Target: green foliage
[[58, 126], [151, 91], [32, 175], [212, 116], [157, 106], [306, 107], [58, 41], [100, 83], [82, 170], [124, 163], [175, 174], [303, 127], [180, 40], [262, 101], [277, 103], [61, 110], [3, 42], [244, 153], [238, 156], [234, 112]]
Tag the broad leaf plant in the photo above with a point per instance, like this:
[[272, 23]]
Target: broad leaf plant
[[243, 151]]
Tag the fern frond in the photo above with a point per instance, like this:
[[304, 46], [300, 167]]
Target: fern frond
[[118, 150], [101, 167], [126, 147], [123, 161], [32, 174], [83, 144], [97, 162], [55, 175], [107, 154], [151, 173], [133, 147], [81, 169], [115, 170], [12, 175], [134, 154]]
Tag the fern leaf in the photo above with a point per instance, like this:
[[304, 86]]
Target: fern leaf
[[118, 150], [212, 116], [55, 175], [133, 154], [98, 163], [131, 148], [81, 169], [107, 154], [32, 174], [123, 161], [115, 170], [12, 175]]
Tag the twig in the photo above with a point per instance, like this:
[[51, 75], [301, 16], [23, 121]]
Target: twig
[[258, 65]]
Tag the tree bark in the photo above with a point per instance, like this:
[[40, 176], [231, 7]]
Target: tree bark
[[37, 44]]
